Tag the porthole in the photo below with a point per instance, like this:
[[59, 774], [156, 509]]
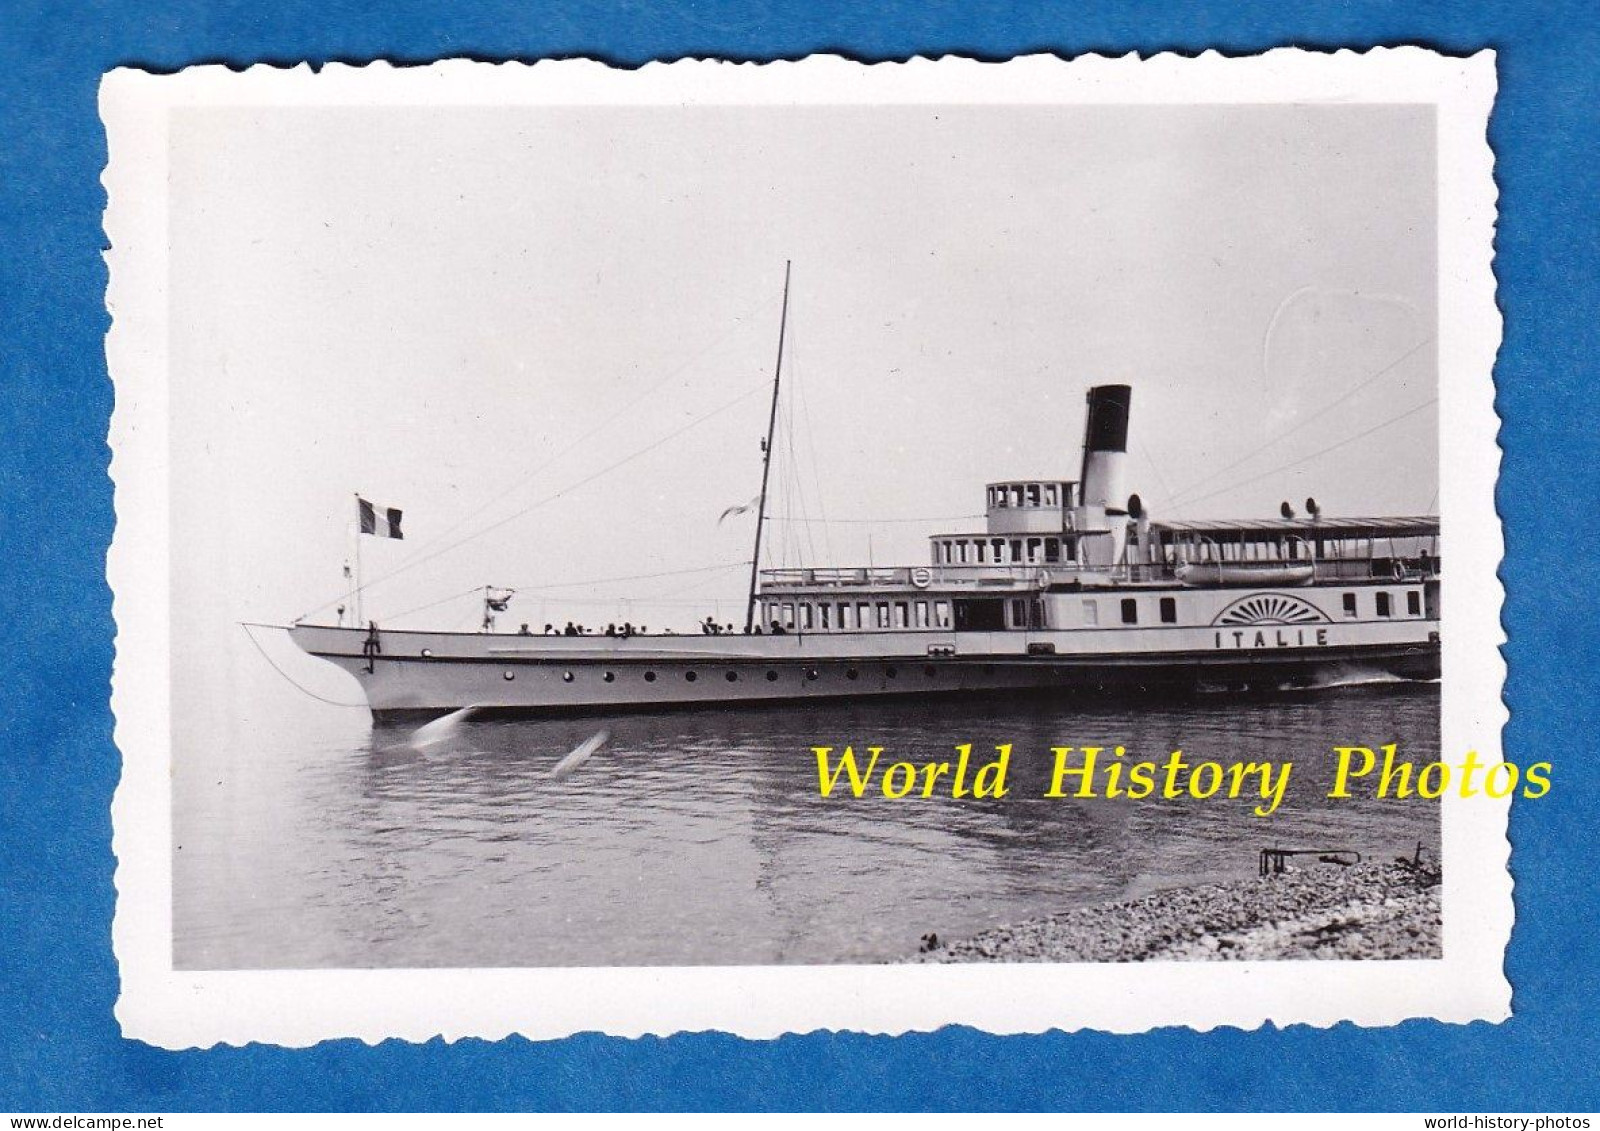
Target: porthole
[[929, 671], [510, 675], [772, 677], [649, 677], [733, 677], [566, 677], [890, 673], [610, 677], [851, 673], [690, 676], [427, 652], [812, 673]]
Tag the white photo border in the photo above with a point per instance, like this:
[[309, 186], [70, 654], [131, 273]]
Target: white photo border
[[179, 1009]]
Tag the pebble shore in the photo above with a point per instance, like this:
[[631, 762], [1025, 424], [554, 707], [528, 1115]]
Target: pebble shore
[[1380, 911]]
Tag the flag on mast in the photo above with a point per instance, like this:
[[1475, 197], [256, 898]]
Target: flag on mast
[[383, 523]]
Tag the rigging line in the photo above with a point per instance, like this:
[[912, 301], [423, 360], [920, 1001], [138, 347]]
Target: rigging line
[[436, 604], [1161, 479], [725, 406], [888, 521], [273, 664], [1432, 501], [1315, 416], [634, 603], [666, 594], [816, 482], [631, 404], [792, 425], [1314, 455], [803, 544], [630, 577]]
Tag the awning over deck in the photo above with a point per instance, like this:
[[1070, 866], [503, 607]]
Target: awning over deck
[[1272, 529]]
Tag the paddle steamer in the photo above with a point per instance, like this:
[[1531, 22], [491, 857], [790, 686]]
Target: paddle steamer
[[1069, 587]]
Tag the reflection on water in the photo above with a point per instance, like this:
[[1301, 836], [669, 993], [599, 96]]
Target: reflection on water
[[701, 838]]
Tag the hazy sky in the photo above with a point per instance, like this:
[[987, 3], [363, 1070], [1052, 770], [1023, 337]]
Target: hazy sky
[[429, 306]]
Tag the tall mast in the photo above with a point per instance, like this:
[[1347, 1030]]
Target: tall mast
[[766, 454]]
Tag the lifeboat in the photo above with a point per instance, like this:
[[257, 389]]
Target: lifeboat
[[1209, 574]]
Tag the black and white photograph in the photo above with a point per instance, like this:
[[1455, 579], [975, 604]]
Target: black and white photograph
[[824, 526]]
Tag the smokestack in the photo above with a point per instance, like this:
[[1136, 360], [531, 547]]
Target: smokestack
[[1105, 447]]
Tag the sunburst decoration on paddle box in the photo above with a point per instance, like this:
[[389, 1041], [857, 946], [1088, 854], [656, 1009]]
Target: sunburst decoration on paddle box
[[1271, 608]]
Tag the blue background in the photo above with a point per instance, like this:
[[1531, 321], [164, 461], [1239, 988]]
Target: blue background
[[59, 1046]]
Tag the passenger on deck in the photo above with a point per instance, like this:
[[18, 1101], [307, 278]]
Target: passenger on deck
[[611, 630], [524, 631], [570, 630], [549, 630], [778, 629]]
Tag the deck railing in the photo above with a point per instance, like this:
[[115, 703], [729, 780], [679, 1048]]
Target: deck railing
[[918, 577], [1034, 576]]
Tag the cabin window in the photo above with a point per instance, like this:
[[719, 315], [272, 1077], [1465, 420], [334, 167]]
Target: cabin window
[[1050, 495], [1016, 496], [980, 551], [805, 616], [1016, 550], [1052, 549], [980, 615], [941, 614], [999, 548], [1019, 613], [788, 614], [961, 553], [846, 622], [1033, 550], [863, 616], [824, 615], [1130, 610], [1091, 613], [901, 614], [1349, 604], [1414, 603], [1169, 610], [991, 497], [1033, 494], [1384, 606], [883, 614], [922, 614]]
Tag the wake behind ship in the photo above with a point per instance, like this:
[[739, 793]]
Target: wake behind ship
[[1069, 587]]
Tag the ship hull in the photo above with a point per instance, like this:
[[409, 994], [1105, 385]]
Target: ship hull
[[409, 675]]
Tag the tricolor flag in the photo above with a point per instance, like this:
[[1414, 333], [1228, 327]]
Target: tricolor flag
[[383, 523]]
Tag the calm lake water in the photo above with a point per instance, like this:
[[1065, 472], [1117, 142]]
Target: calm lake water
[[306, 837]]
